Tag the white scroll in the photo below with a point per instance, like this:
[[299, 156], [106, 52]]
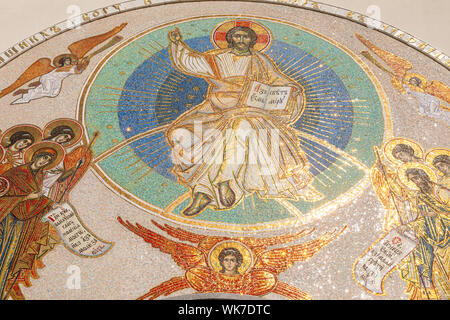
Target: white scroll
[[268, 98], [74, 234], [371, 269]]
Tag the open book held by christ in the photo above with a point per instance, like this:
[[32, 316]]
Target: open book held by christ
[[268, 97]]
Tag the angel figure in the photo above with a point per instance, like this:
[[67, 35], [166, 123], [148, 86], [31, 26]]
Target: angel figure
[[433, 98], [59, 181], [51, 77], [439, 159], [241, 265], [385, 181], [23, 236], [15, 142], [426, 270]]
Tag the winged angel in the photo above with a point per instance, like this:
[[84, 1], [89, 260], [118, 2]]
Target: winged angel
[[231, 265], [51, 76], [433, 98]]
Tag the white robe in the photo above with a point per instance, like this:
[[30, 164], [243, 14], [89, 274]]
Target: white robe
[[50, 86], [223, 140]]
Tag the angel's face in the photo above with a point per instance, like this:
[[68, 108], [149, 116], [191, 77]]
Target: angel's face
[[67, 62], [443, 167], [22, 144], [404, 156], [42, 161], [230, 264], [63, 138]]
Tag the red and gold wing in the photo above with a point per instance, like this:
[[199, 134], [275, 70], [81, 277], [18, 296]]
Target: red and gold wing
[[439, 90], [399, 65], [82, 47], [279, 260], [37, 69], [184, 255], [180, 234], [267, 242]]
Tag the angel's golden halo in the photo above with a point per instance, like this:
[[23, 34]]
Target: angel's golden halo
[[247, 256], [432, 154], [402, 174], [391, 144]]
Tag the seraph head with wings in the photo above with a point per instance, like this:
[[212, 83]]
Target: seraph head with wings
[[78, 56], [241, 265]]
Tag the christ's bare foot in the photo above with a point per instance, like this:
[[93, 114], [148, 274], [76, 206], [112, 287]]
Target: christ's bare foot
[[198, 205], [226, 195]]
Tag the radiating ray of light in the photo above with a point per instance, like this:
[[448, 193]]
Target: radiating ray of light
[[332, 122], [326, 160], [317, 125], [165, 114], [122, 111], [139, 146], [146, 100], [136, 105], [121, 89], [168, 92], [145, 157], [316, 133], [336, 109], [150, 57], [320, 96], [145, 116], [154, 121], [337, 115], [329, 118], [300, 60], [147, 164], [315, 56], [277, 61], [324, 87], [162, 124], [142, 151], [153, 82], [316, 84], [321, 172], [327, 151], [341, 101], [319, 89], [311, 127], [152, 99], [155, 54], [127, 95], [166, 79], [287, 64], [324, 143], [306, 77], [315, 129], [152, 169], [307, 70], [171, 75]]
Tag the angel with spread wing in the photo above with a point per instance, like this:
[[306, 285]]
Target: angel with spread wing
[[433, 98], [241, 265], [51, 76]]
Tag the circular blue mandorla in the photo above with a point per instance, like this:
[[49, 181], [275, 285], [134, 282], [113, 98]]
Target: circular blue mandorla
[[136, 92]]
